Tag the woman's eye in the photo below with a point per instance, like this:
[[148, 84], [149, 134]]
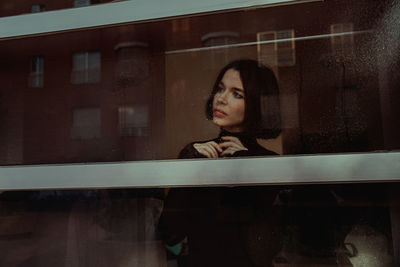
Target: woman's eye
[[220, 89], [237, 95]]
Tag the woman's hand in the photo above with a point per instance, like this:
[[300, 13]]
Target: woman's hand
[[210, 149], [230, 145]]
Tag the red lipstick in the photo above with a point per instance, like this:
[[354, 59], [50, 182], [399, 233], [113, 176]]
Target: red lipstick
[[219, 113]]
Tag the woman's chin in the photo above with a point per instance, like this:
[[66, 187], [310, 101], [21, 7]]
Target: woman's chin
[[219, 122]]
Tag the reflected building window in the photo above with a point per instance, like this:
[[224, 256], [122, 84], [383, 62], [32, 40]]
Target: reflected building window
[[220, 45], [133, 64], [133, 120], [276, 48], [342, 39], [86, 123], [219, 38], [37, 72], [37, 8], [86, 67], [82, 3], [286, 48]]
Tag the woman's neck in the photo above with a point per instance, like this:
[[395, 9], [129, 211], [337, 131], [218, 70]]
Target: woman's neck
[[245, 138], [239, 135], [233, 129]]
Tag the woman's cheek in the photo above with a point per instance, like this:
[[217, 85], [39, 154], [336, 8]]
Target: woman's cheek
[[239, 107]]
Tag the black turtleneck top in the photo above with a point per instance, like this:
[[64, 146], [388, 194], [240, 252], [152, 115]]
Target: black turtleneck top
[[216, 220], [254, 149]]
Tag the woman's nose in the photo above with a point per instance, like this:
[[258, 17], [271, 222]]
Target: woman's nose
[[221, 98]]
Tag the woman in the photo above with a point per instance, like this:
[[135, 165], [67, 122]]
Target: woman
[[244, 103], [217, 226]]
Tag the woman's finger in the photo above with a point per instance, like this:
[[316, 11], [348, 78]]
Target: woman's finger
[[213, 152], [201, 150], [229, 151], [215, 145], [233, 140], [226, 145], [206, 149]]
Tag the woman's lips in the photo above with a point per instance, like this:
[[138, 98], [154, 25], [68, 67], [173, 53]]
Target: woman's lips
[[218, 113]]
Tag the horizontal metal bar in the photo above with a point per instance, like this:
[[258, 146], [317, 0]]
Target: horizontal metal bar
[[118, 13], [333, 168], [299, 38]]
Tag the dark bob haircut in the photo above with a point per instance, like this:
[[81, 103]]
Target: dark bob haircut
[[262, 111]]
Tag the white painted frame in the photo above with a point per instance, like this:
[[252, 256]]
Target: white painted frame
[[334, 168], [120, 13]]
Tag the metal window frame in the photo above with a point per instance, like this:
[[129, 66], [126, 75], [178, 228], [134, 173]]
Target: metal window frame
[[120, 13], [333, 168]]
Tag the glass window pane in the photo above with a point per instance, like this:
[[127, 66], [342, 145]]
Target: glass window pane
[[86, 67], [337, 87], [94, 59], [329, 225], [80, 61], [146, 88]]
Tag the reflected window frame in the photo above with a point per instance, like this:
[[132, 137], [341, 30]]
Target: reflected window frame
[[342, 39], [36, 75], [38, 8], [83, 3], [86, 67], [277, 48], [133, 120]]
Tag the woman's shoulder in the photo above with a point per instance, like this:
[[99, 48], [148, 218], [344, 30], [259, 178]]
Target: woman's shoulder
[[189, 152]]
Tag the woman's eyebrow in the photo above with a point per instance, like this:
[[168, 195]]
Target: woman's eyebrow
[[238, 89]]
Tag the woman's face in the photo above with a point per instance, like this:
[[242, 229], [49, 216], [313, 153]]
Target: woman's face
[[229, 102]]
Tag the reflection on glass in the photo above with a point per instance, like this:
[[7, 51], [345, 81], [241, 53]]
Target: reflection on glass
[[280, 226], [133, 61], [219, 38], [82, 3], [74, 228], [139, 91], [86, 123], [86, 67], [313, 225], [38, 8], [133, 120], [342, 40], [37, 72], [234, 107], [337, 87], [276, 48], [219, 44]]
